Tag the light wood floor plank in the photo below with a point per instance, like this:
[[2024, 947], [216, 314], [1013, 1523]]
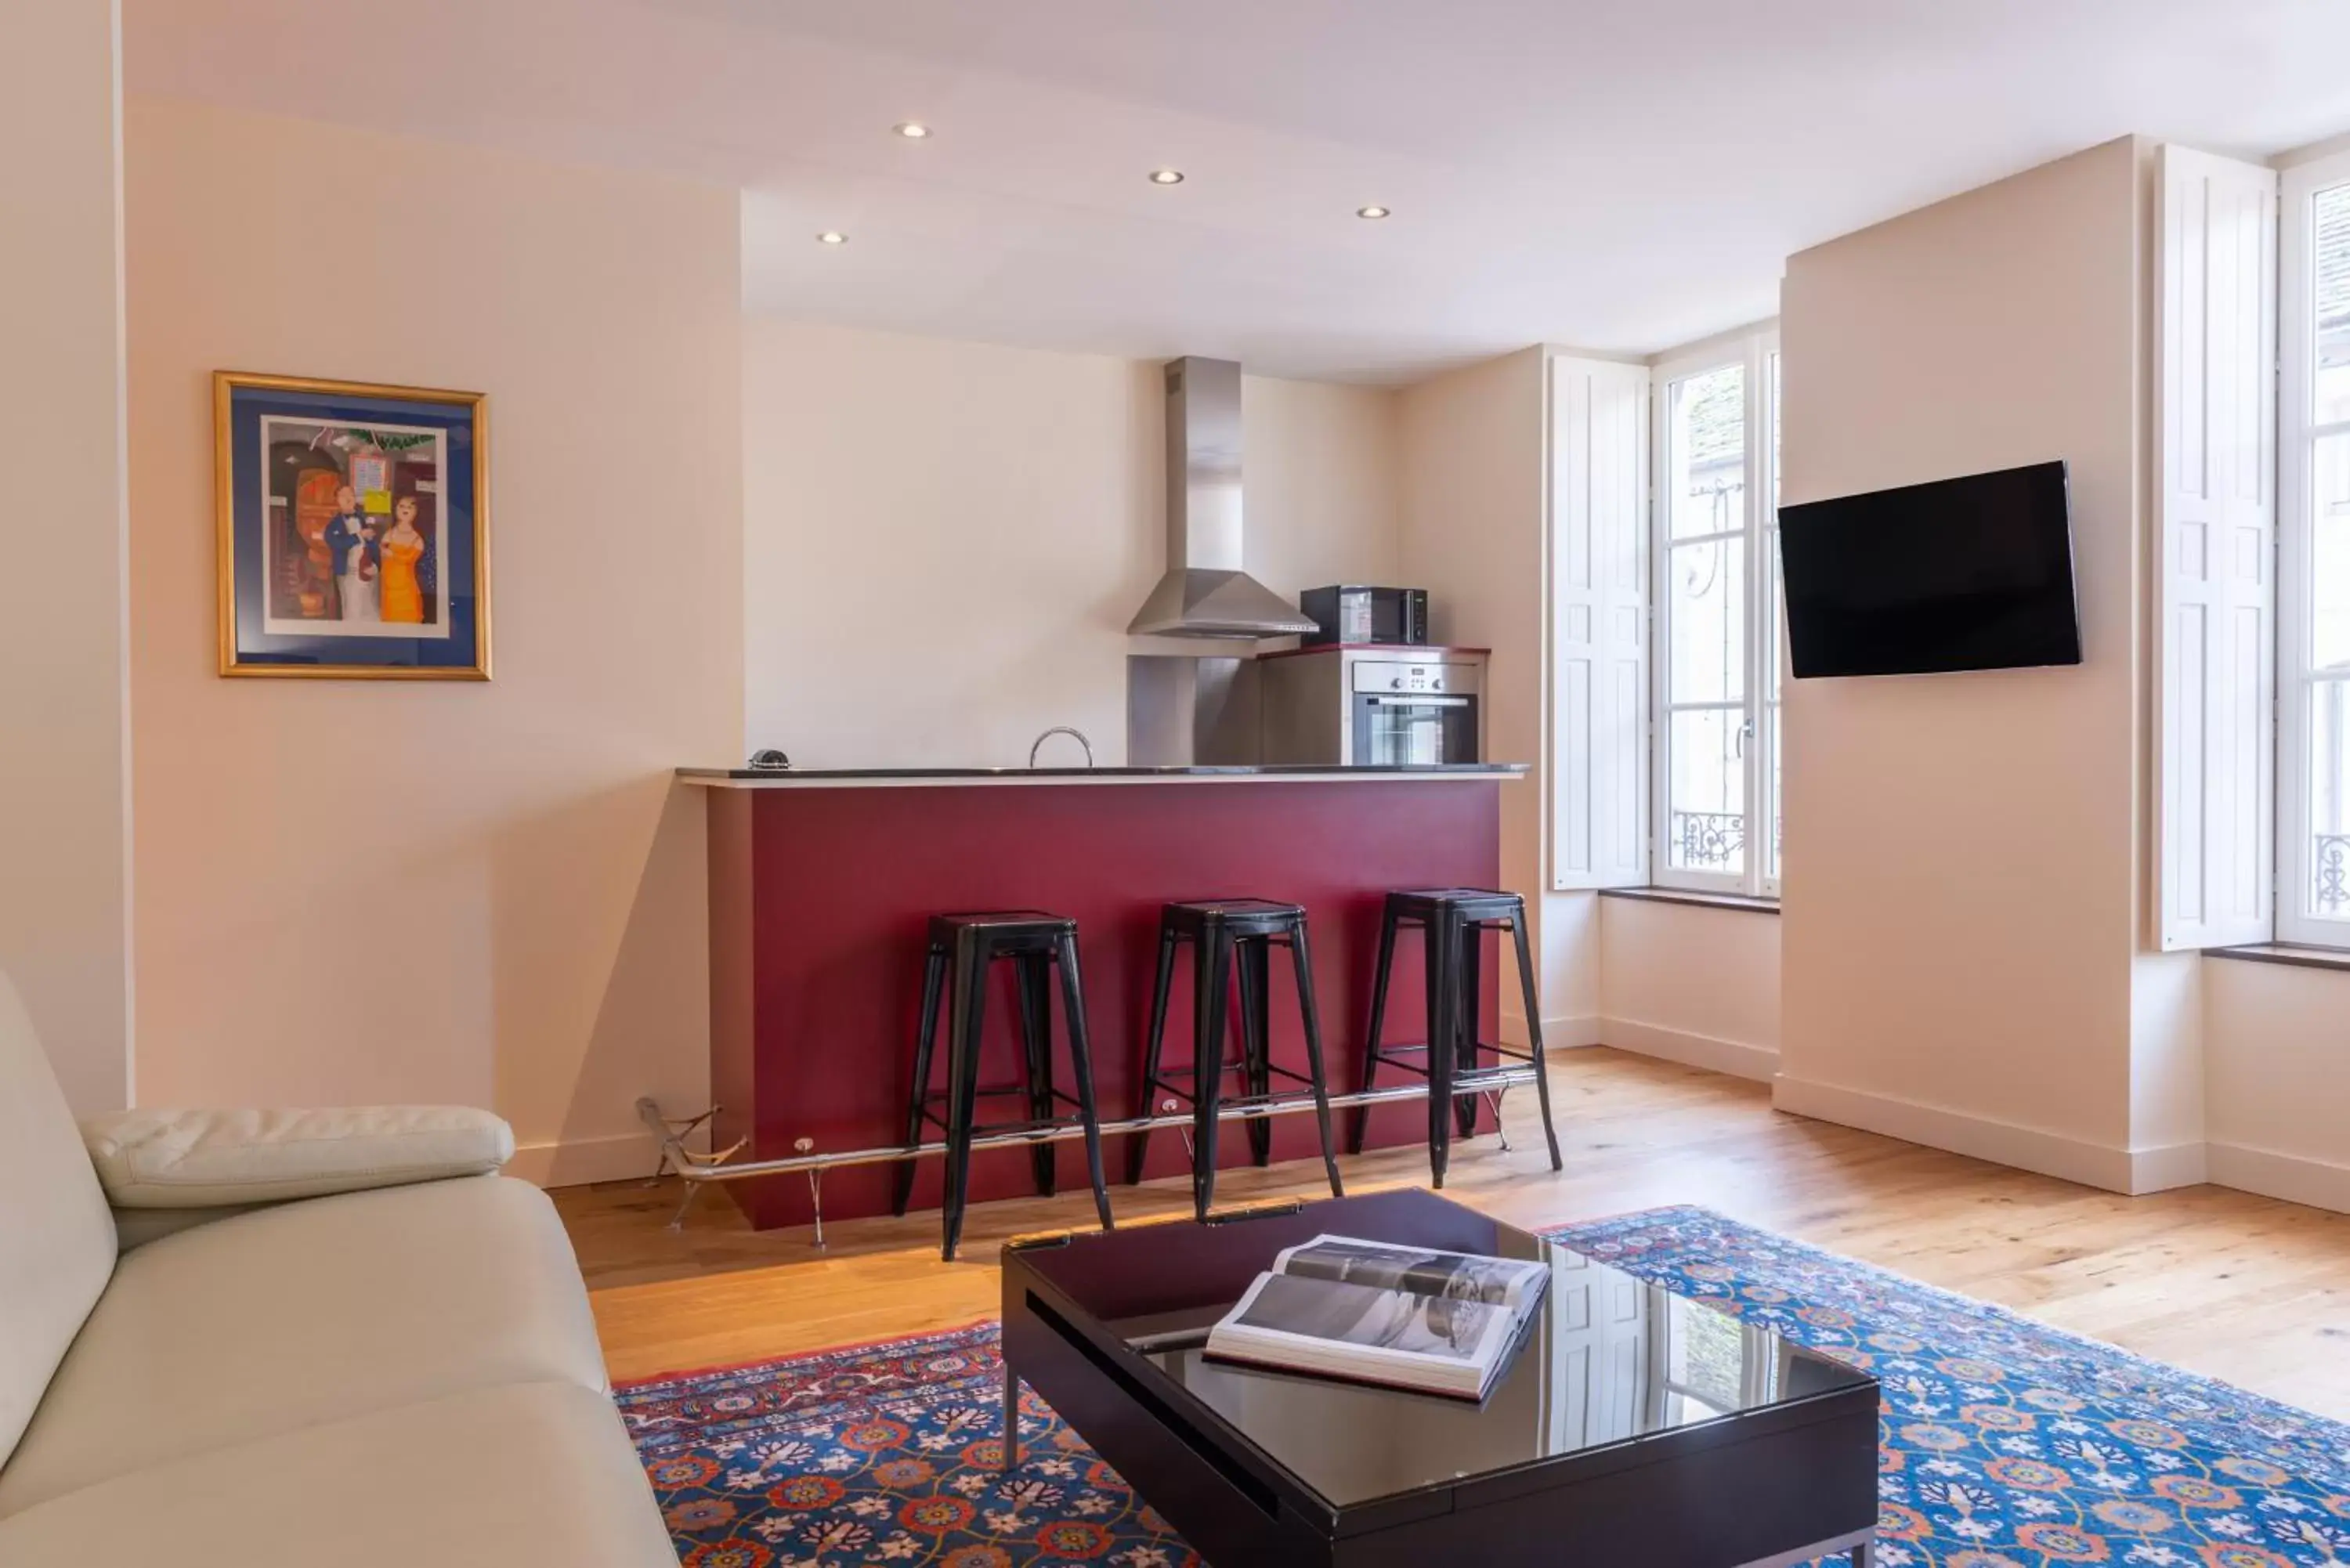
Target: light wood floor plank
[[2245, 1289]]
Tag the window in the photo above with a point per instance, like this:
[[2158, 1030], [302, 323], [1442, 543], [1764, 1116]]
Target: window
[[2314, 566], [1717, 597]]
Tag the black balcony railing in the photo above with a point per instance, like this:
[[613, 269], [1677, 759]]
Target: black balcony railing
[[1716, 841], [1707, 840], [2332, 868]]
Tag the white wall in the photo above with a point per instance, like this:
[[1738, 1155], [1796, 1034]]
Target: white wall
[[1959, 945], [1691, 984], [489, 894], [2279, 1112], [1964, 957], [64, 669], [945, 541], [1474, 536]]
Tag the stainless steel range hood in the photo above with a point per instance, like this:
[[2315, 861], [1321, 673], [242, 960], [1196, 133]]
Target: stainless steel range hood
[[1205, 593]]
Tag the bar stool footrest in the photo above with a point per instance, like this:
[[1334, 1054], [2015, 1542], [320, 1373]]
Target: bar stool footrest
[[1388, 1054], [1030, 1128], [1244, 1106]]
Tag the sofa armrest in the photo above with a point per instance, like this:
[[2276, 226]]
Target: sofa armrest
[[207, 1159]]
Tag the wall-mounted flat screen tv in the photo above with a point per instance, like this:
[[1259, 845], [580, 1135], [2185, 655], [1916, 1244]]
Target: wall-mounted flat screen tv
[[1961, 574]]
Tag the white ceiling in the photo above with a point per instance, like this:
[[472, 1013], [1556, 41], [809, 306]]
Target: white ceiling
[[1619, 175]]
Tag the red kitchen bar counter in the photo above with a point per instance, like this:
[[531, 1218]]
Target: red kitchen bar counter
[[822, 884]]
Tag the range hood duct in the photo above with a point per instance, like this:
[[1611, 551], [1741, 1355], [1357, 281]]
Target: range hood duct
[[1205, 593]]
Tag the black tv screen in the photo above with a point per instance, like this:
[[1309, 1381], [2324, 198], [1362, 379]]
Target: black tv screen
[[1961, 574]]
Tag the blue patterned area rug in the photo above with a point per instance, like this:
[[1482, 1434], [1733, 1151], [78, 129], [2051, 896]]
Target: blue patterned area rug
[[2006, 1444]]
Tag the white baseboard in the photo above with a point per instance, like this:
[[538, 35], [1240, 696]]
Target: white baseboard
[[2013, 1144], [575, 1162], [1735, 1057], [1558, 1034], [2296, 1179], [2171, 1165]]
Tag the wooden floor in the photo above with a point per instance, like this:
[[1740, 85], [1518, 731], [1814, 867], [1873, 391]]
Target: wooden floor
[[2245, 1289]]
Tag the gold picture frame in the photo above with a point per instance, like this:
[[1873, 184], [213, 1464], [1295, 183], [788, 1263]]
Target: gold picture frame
[[381, 591]]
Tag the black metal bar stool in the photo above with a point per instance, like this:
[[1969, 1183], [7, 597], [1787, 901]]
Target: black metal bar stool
[[1455, 920], [1233, 938], [962, 951]]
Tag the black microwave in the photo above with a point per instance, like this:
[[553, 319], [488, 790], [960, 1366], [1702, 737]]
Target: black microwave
[[1353, 613]]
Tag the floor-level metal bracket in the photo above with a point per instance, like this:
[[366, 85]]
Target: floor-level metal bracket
[[815, 1187], [1169, 1107], [1494, 1098], [675, 1156]]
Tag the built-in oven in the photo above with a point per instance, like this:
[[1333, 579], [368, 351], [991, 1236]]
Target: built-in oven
[[1413, 715], [1371, 707]]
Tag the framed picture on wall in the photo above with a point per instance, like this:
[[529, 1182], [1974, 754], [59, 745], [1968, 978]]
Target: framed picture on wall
[[354, 529]]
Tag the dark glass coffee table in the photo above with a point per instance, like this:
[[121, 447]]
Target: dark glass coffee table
[[1633, 1425]]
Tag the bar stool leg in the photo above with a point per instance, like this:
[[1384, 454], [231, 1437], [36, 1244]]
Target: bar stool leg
[[1443, 1013], [1254, 967], [1031, 970], [1212, 966], [926, 1033], [1534, 1039], [1301, 958], [1471, 993], [973, 954], [1380, 976], [1137, 1147], [1081, 1068]]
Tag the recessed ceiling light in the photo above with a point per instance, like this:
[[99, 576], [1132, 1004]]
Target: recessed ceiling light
[[1373, 211], [1167, 176], [832, 237], [913, 131]]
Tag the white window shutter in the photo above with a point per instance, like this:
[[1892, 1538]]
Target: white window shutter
[[1599, 624], [2215, 552]]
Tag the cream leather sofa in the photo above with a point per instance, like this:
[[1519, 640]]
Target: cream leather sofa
[[353, 1343]]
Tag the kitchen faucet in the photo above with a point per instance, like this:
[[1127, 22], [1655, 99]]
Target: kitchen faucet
[[1078, 735]]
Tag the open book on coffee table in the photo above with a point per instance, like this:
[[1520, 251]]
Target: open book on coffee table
[[1371, 1311]]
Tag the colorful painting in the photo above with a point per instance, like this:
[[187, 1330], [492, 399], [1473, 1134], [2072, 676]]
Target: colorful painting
[[354, 539]]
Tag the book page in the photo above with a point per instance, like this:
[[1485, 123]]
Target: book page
[[1457, 1276], [1366, 1318]]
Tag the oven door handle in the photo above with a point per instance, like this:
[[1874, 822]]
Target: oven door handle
[[1407, 701]]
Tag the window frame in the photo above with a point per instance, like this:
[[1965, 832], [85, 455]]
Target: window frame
[[1757, 354], [2298, 434]]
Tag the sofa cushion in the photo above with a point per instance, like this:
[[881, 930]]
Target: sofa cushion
[[532, 1473], [57, 1239], [289, 1317], [137, 1226], [157, 1159]]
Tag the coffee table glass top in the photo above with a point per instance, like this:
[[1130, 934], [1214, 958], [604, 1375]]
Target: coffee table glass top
[[1609, 1359]]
